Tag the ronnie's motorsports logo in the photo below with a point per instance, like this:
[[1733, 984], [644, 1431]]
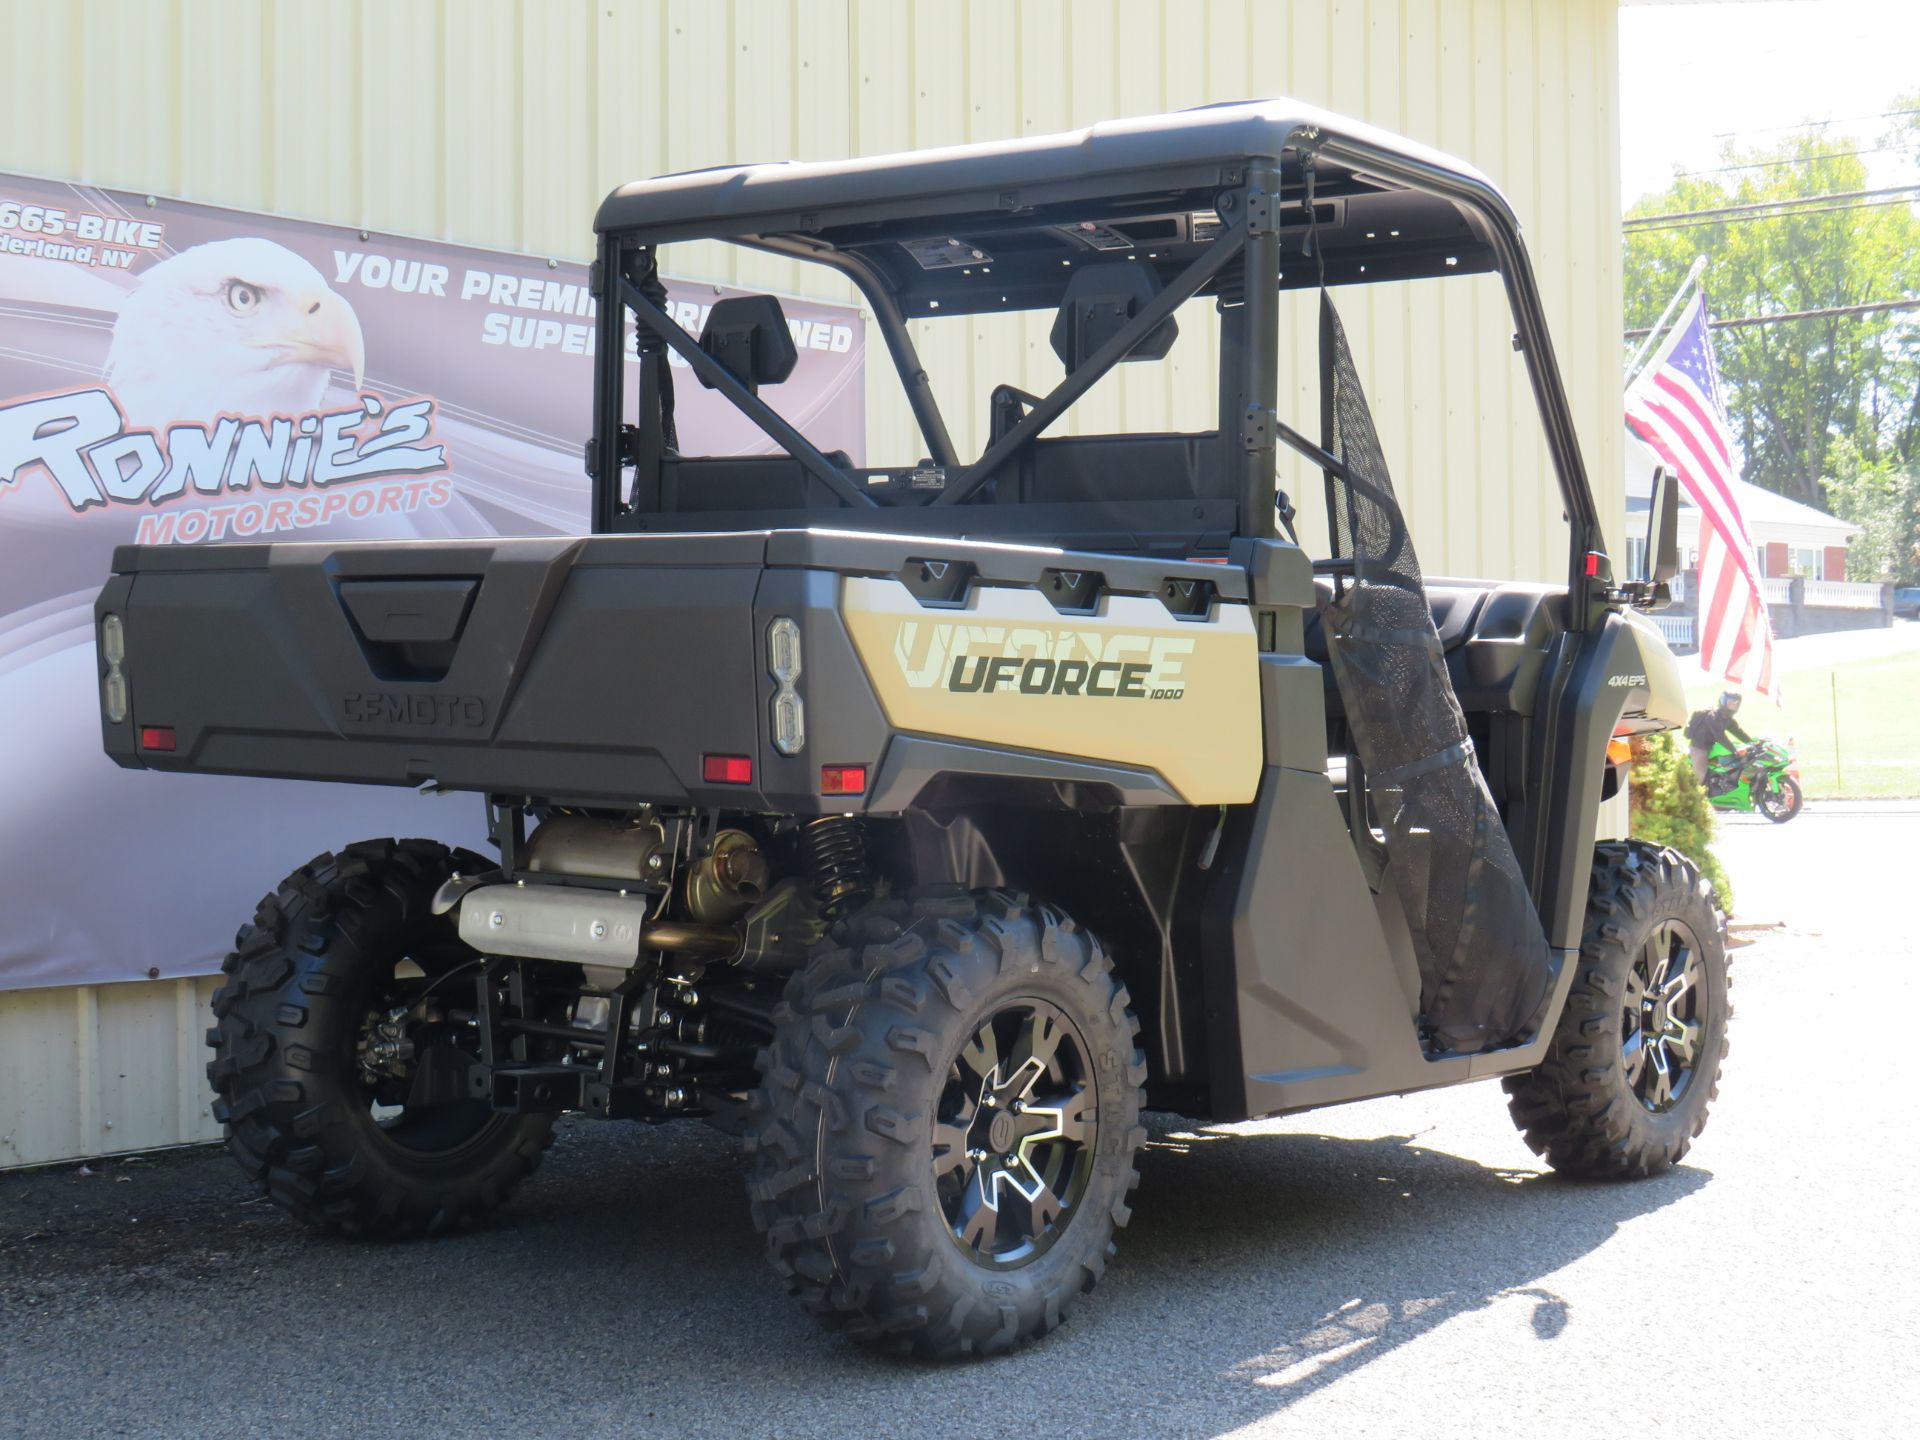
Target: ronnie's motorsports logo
[[425, 712], [83, 443], [1030, 660]]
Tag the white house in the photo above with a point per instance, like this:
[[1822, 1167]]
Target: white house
[[1788, 538]]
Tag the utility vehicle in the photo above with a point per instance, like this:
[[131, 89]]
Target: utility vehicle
[[921, 824]]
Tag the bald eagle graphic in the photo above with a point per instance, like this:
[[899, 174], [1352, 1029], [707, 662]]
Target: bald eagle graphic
[[232, 327]]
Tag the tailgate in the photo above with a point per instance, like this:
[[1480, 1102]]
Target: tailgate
[[565, 667]]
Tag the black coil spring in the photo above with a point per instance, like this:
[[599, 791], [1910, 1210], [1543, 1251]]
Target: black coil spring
[[837, 856]]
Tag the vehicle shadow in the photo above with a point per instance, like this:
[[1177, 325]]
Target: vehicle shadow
[[1259, 1268], [1297, 1259]]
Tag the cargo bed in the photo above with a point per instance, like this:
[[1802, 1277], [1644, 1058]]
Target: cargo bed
[[563, 669]]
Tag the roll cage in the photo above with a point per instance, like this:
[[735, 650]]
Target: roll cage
[[1232, 202]]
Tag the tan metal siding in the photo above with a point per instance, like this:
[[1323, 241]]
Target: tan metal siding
[[503, 122]]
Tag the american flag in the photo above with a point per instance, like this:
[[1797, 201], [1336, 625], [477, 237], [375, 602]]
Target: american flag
[[1675, 406]]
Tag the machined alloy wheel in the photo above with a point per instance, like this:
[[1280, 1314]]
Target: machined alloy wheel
[[1015, 1134], [1659, 1020]]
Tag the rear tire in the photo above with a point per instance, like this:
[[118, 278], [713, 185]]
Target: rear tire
[[304, 980], [1635, 1058], [871, 1166]]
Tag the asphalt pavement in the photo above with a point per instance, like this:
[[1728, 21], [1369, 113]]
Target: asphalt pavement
[[1402, 1267]]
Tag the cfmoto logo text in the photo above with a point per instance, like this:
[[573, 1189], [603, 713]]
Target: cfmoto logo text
[[431, 712]]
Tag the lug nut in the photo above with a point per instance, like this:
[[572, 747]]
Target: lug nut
[[976, 1156]]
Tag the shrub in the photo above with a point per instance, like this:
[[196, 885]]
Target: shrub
[[1668, 807]]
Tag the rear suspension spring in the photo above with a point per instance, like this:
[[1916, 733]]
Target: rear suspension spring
[[837, 857]]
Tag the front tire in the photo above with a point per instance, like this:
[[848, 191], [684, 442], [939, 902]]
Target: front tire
[[1635, 1058], [943, 1139], [1781, 802], [343, 944]]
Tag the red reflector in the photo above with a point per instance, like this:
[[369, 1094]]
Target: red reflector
[[1593, 563], [726, 769], [156, 737], [843, 779]]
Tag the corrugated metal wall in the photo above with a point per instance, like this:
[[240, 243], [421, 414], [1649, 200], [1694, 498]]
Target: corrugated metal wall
[[502, 122]]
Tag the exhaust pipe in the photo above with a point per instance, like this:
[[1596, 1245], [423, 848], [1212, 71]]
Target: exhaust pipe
[[581, 926]]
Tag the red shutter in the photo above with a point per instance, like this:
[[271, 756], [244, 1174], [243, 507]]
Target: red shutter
[[1774, 561], [1834, 566]]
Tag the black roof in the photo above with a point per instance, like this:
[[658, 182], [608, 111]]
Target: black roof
[[1003, 224]]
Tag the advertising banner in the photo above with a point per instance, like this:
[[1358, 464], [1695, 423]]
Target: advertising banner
[[179, 374]]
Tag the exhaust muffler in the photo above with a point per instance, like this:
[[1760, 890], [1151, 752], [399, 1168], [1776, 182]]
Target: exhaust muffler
[[581, 926]]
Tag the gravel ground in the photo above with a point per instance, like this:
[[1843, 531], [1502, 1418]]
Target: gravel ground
[[1401, 1266]]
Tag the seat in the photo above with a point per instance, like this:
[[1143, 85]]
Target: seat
[[1496, 637]]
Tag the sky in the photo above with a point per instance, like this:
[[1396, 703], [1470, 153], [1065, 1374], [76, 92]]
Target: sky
[[1692, 73]]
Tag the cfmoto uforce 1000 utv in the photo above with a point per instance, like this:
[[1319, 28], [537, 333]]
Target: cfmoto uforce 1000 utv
[[921, 824]]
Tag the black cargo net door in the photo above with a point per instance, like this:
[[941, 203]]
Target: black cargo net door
[[1485, 974]]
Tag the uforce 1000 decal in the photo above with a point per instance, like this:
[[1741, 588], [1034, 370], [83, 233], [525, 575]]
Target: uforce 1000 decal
[[1132, 685], [985, 659]]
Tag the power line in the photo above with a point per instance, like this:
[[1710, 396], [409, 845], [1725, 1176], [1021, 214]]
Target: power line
[[1794, 160], [1873, 307], [1633, 221], [1631, 229], [1814, 124]]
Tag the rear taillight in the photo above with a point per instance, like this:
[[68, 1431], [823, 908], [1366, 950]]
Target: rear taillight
[[113, 650], [784, 665], [158, 737]]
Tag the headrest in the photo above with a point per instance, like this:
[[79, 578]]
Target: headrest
[[748, 335], [1098, 301]]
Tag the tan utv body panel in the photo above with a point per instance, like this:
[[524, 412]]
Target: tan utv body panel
[[1666, 692], [1132, 684]]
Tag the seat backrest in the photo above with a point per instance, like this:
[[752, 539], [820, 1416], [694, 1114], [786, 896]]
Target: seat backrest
[[1116, 469], [1496, 637]]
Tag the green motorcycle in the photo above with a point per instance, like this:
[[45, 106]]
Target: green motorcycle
[[1762, 776]]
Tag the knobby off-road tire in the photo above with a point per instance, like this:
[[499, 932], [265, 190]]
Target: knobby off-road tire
[[318, 959], [1631, 1072], [872, 1095]]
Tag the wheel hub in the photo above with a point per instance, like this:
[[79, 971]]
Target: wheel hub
[[1014, 1135], [1000, 1132]]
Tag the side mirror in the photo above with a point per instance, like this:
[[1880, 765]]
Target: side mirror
[[1663, 529]]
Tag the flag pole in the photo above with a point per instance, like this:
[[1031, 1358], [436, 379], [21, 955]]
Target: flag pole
[[1659, 326]]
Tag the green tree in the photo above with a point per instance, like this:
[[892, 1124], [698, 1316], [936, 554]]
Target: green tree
[[1884, 501], [1797, 387]]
